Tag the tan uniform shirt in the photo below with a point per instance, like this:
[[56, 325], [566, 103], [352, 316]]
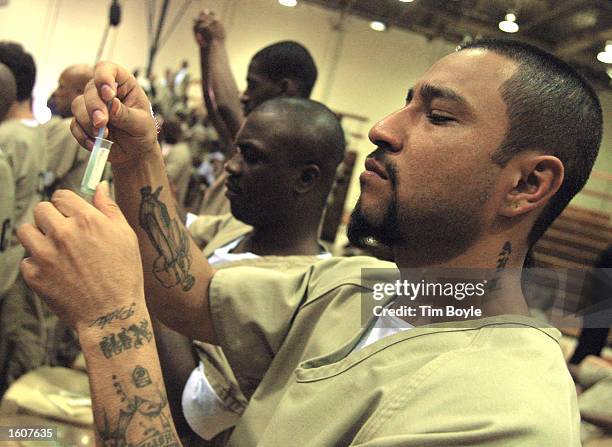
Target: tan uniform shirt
[[212, 232], [67, 160], [24, 146], [178, 167], [290, 338], [7, 217], [215, 202]]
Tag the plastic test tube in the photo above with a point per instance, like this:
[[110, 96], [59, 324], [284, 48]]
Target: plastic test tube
[[96, 164]]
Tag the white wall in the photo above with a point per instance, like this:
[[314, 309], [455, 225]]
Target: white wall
[[369, 76]]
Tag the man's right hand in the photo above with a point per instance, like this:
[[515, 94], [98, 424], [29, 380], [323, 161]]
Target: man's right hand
[[131, 126], [208, 29]]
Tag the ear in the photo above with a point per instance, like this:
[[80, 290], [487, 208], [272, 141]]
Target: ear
[[536, 178], [289, 87], [308, 179]]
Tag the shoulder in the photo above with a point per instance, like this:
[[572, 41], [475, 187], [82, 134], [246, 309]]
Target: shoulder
[[514, 377]]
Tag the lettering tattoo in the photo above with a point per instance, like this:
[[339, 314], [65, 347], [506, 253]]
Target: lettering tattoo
[[143, 420], [120, 314], [140, 377], [170, 240], [134, 336]]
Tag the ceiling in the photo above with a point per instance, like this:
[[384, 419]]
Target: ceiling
[[575, 30]]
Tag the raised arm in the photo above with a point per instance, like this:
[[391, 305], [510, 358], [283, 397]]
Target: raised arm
[[176, 276], [219, 88]]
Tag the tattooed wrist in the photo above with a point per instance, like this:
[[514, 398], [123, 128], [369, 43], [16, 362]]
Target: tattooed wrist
[[122, 313], [140, 416]]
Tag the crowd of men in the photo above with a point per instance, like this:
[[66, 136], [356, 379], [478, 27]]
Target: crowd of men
[[242, 329]]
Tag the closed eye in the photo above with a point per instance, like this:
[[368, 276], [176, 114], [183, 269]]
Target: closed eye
[[438, 119]]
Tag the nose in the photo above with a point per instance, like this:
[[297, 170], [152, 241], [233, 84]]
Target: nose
[[389, 132], [244, 98], [233, 166]]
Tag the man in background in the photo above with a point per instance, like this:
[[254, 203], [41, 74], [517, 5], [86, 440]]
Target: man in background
[[281, 69], [22, 329], [8, 93], [66, 161]]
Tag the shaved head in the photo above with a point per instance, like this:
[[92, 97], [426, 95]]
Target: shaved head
[[8, 90], [71, 82], [308, 130]]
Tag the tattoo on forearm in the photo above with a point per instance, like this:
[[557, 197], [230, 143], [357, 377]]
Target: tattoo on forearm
[[133, 336], [120, 314], [142, 420], [170, 240], [140, 377]]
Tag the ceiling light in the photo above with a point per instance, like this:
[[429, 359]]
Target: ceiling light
[[509, 25], [605, 57], [406, 1], [290, 3], [378, 26]]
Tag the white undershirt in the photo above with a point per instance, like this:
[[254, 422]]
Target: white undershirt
[[204, 411]]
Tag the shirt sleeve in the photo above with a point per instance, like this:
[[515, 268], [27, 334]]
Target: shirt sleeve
[[252, 310], [204, 228], [7, 216]]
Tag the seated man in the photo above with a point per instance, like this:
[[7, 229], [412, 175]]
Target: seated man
[[278, 183], [465, 174]]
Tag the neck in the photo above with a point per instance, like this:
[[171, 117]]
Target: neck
[[288, 239], [494, 264], [20, 110]]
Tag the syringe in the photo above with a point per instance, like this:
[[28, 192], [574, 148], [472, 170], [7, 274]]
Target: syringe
[[97, 161]]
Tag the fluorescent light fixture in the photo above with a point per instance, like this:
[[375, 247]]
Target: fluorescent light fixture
[[406, 1], [290, 3], [377, 25], [605, 57]]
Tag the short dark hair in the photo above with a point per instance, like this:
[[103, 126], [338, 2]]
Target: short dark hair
[[21, 65], [171, 131], [550, 108], [290, 60]]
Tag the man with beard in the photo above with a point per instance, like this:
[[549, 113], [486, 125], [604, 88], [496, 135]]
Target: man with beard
[[466, 173]]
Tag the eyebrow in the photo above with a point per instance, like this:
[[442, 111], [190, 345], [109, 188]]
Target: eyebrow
[[430, 92]]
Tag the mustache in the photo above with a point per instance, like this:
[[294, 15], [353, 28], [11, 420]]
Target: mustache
[[380, 155]]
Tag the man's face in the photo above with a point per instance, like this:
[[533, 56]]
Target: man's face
[[261, 174], [259, 89], [429, 183], [64, 94]]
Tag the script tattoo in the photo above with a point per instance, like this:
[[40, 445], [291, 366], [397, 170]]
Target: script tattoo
[[133, 336], [169, 239], [120, 314], [143, 421], [502, 259]]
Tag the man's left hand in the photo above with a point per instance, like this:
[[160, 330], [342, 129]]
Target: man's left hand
[[84, 260]]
